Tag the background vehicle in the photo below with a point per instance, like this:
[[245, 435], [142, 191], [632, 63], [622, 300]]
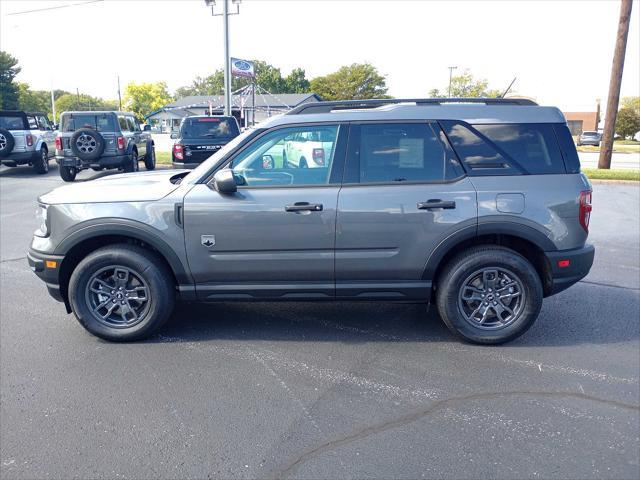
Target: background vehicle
[[478, 207], [307, 149], [102, 140], [200, 137], [26, 138], [589, 138]]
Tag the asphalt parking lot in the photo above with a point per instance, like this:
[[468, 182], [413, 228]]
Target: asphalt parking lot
[[347, 390]]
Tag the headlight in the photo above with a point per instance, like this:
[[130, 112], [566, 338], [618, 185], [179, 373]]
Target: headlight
[[43, 224]]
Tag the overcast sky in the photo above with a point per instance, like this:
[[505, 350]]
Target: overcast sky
[[560, 51]]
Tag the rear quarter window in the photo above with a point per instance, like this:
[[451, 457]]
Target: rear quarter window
[[568, 148], [12, 122]]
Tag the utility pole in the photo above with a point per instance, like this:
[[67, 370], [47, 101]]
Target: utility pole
[[119, 96], [77, 98], [53, 105], [451, 69], [606, 145]]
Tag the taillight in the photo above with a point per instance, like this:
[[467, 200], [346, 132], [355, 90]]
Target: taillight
[[29, 140], [120, 143], [178, 151], [58, 143], [585, 209], [318, 156]]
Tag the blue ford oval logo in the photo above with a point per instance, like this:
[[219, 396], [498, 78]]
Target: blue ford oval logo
[[242, 65]]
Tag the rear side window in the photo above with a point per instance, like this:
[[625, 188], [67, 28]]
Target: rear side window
[[399, 152], [10, 122], [568, 148], [210, 127], [532, 145], [33, 124], [101, 123]]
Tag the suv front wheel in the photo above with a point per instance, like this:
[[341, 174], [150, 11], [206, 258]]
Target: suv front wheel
[[121, 293], [489, 295]]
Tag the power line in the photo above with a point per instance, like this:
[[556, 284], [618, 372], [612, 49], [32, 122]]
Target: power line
[[53, 8]]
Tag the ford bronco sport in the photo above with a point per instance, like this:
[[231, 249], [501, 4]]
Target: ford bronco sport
[[102, 140], [26, 138], [475, 205]]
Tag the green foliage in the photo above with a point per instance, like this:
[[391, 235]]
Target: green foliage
[[466, 86], [8, 88], [70, 101], [608, 174], [296, 82], [356, 81], [33, 100], [144, 98], [631, 102], [628, 121]]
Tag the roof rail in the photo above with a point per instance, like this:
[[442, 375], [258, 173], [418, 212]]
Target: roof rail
[[326, 107]]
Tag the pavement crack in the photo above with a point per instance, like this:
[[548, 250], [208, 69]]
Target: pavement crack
[[6, 260], [610, 285], [421, 413]]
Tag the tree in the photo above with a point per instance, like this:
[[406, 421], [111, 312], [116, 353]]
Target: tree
[[70, 101], [466, 86], [8, 89], [356, 81], [144, 98], [33, 100], [631, 102], [628, 119], [296, 81]]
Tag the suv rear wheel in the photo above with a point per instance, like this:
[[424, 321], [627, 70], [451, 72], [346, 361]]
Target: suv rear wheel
[[121, 293], [132, 165], [150, 158], [68, 174], [489, 295], [41, 163]]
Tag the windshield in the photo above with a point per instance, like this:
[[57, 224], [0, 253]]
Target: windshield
[[209, 127], [214, 159], [100, 122]]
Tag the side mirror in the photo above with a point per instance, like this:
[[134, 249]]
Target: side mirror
[[173, 135], [267, 162], [224, 181], [147, 128]]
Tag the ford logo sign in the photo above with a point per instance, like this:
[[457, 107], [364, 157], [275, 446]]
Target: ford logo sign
[[242, 65]]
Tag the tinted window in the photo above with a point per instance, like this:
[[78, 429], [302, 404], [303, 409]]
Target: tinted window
[[568, 148], [400, 152], [281, 158], [122, 123], [101, 123], [132, 124], [11, 122], [210, 127], [532, 145], [43, 123]]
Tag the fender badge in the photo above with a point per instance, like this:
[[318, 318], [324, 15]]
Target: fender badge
[[208, 240]]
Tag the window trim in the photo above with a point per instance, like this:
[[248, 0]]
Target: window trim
[[352, 161], [337, 167]]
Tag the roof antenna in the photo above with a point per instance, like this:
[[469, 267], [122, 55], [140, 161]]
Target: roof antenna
[[509, 87]]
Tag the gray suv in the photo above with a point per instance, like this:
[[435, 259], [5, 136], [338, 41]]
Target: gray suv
[[475, 205], [102, 140]]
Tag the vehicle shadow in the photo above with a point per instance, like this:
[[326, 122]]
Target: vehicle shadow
[[25, 171], [581, 315]]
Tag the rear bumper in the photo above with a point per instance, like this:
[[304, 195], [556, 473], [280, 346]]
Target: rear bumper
[[19, 158], [182, 165], [113, 161], [48, 274], [579, 263]]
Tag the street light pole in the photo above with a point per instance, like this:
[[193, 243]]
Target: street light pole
[[451, 69], [227, 59]]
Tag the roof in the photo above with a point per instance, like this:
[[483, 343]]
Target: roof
[[477, 113], [95, 112]]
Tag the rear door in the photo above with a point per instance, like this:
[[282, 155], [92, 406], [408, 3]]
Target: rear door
[[404, 193], [138, 138], [47, 133]]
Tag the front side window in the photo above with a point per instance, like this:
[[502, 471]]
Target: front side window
[[132, 124], [122, 122], [288, 156], [44, 123], [33, 124], [400, 152]]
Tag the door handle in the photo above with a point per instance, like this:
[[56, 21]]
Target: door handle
[[436, 203], [304, 206]]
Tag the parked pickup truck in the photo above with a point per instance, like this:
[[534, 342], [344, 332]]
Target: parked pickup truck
[[26, 138]]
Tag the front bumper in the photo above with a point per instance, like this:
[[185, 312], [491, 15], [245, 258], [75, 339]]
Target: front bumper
[[113, 161], [19, 158], [47, 268], [578, 263]]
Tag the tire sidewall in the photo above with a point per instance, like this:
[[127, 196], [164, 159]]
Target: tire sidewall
[[41, 164], [463, 267], [10, 142], [100, 144], [159, 293], [150, 158], [68, 174]]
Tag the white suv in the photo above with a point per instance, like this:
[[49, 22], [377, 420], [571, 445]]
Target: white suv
[[308, 149], [26, 139]]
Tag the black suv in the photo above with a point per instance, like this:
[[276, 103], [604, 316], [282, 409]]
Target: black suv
[[100, 140], [200, 137]]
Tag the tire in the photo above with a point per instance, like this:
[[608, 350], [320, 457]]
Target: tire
[[7, 142], [68, 174], [303, 163], [87, 144], [504, 265], [41, 163], [132, 166], [150, 158], [147, 278]]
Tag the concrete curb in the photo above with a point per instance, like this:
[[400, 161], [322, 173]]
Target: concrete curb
[[620, 182]]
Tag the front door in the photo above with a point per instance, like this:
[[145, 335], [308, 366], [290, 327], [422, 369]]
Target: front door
[[403, 194], [274, 237]]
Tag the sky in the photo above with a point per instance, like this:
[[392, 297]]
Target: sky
[[560, 51]]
